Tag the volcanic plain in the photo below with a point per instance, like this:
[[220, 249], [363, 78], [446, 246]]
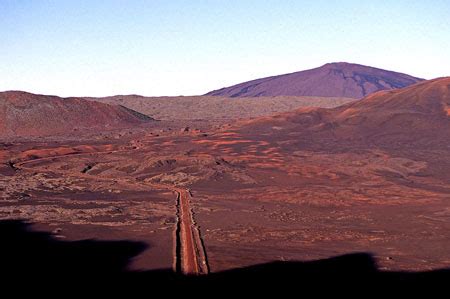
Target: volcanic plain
[[205, 197]]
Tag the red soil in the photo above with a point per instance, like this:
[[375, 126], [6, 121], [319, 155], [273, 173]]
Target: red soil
[[311, 184], [417, 114], [26, 114]]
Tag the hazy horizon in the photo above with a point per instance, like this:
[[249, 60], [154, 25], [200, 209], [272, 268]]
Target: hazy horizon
[[171, 48]]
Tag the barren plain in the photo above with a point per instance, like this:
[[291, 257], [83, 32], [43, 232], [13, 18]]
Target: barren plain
[[308, 185]]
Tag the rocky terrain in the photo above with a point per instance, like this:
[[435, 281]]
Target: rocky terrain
[[217, 109], [359, 191]]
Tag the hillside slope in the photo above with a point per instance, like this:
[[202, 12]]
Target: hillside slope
[[26, 114], [418, 115]]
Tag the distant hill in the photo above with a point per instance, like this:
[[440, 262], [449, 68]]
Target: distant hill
[[412, 117], [216, 108], [27, 114], [330, 80]]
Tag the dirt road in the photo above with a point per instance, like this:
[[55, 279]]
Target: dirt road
[[190, 255], [190, 252]]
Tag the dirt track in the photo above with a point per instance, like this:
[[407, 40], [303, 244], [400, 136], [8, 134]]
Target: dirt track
[[190, 253]]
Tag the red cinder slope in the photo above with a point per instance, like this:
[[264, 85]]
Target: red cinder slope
[[26, 114], [414, 116]]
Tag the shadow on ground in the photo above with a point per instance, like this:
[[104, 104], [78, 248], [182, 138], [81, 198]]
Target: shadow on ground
[[31, 256]]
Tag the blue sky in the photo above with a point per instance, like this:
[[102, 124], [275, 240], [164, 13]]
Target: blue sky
[[99, 48]]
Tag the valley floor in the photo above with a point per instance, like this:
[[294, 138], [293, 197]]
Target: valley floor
[[253, 202]]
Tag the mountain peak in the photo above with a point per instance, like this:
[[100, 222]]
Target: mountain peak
[[336, 79], [339, 63]]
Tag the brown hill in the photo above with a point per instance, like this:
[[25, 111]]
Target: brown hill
[[418, 115], [26, 114], [330, 80]]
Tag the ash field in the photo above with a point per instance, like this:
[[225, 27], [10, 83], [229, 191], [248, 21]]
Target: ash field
[[352, 184]]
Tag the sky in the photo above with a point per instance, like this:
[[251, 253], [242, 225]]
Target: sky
[[189, 47]]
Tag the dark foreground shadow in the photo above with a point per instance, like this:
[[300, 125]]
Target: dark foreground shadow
[[28, 256]]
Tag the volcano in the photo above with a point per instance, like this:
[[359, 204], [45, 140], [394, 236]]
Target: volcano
[[330, 80]]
